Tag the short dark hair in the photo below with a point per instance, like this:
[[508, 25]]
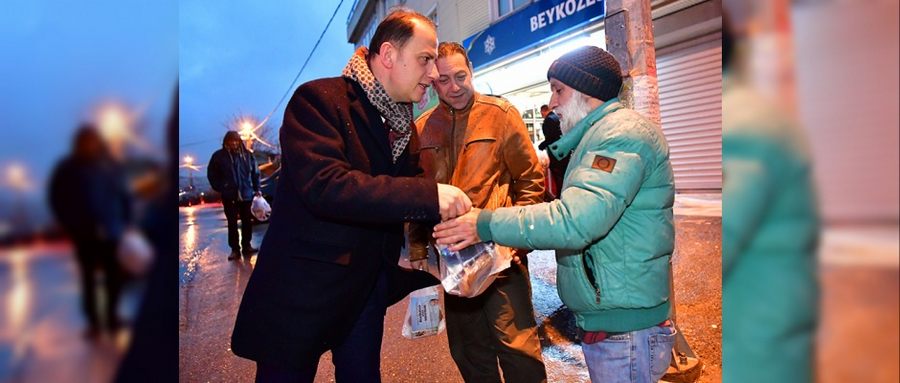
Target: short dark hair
[[447, 48], [396, 28], [86, 131], [545, 108]]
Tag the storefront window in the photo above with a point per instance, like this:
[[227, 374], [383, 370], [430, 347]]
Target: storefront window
[[505, 7]]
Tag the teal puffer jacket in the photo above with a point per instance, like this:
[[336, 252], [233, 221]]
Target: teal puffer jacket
[[612, 227], [770, 233]]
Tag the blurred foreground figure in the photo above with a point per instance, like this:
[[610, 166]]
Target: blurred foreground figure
[[90, 200], [153, 353], [769, 235]]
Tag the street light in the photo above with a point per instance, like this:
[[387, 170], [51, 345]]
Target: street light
[[115, 124], [188, 162], [17, 177], [247, 130]]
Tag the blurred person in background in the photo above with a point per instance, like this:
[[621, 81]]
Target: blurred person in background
[[557, 167], [233, 173], [89, 197], [770, 230]]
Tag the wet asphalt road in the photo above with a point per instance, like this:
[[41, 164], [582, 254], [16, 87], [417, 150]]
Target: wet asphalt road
[[211, 288], [40, 320]]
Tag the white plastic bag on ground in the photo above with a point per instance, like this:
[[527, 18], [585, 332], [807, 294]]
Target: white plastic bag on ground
[[260, 209], [424, 316], [134, 252], [470, 271]]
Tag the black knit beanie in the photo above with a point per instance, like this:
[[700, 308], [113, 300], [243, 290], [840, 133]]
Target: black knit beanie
[[589, 70]]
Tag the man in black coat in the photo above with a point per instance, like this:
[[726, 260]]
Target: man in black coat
[[233, 172], [327, 268]]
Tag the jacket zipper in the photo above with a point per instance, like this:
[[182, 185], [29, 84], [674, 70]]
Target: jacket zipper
[[453, 154]]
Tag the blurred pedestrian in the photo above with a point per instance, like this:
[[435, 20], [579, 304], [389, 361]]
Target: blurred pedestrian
[[232, 171], [479, 143], [90, 199], [328, 266], [612, 226]]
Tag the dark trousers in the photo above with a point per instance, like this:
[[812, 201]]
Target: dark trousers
[[357, 359], [99, 255], [497, 326], [234, 209]]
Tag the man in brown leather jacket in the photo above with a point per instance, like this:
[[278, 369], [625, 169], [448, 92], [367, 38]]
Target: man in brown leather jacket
[[479, 144]]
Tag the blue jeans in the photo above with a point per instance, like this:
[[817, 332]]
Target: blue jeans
[[640, 356]]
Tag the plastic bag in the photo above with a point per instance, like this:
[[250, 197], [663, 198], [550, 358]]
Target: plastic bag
[[425, 316], [260, 209], [470, 271], [134, 252]]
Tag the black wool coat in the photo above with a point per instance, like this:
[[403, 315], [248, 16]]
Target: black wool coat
[[337, 220]]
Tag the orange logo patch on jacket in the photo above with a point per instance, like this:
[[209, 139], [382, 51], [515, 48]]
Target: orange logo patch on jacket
[[605, 164]]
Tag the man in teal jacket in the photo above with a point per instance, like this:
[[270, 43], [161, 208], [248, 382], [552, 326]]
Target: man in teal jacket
[[612, 227]]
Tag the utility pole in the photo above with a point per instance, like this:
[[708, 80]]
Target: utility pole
[[629, 38]]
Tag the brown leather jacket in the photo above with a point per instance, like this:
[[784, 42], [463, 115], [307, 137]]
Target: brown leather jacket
[[484, 150]]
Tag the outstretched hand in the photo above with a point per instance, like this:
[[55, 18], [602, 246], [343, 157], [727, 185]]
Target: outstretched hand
[[460, 232]]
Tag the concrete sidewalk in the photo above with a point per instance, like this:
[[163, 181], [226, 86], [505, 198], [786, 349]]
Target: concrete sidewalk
[[698, 204]]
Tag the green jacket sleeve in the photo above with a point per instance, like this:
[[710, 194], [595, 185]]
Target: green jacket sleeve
[[590, 204], [748, 184]]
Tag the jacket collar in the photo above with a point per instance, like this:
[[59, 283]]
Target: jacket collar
[[562, 147], [372, 118], [460, 112], [374, 125]]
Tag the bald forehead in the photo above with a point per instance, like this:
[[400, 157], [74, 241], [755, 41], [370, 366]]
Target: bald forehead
[[425, 30], [424, 39]]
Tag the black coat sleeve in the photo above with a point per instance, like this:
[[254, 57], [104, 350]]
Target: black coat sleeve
[[313, 143], [214, 173]]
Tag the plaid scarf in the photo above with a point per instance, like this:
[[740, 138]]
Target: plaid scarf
[[398, 116]]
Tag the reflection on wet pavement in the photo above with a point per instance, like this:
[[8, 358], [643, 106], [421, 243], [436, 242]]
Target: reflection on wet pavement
[[41, 324]]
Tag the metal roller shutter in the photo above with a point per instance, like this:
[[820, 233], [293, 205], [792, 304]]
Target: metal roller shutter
[[690, 104]]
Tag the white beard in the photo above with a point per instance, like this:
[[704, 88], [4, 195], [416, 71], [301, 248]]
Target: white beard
[[574, 111]]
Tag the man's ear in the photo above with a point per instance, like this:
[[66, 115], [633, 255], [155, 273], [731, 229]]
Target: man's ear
[[387, 53]]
